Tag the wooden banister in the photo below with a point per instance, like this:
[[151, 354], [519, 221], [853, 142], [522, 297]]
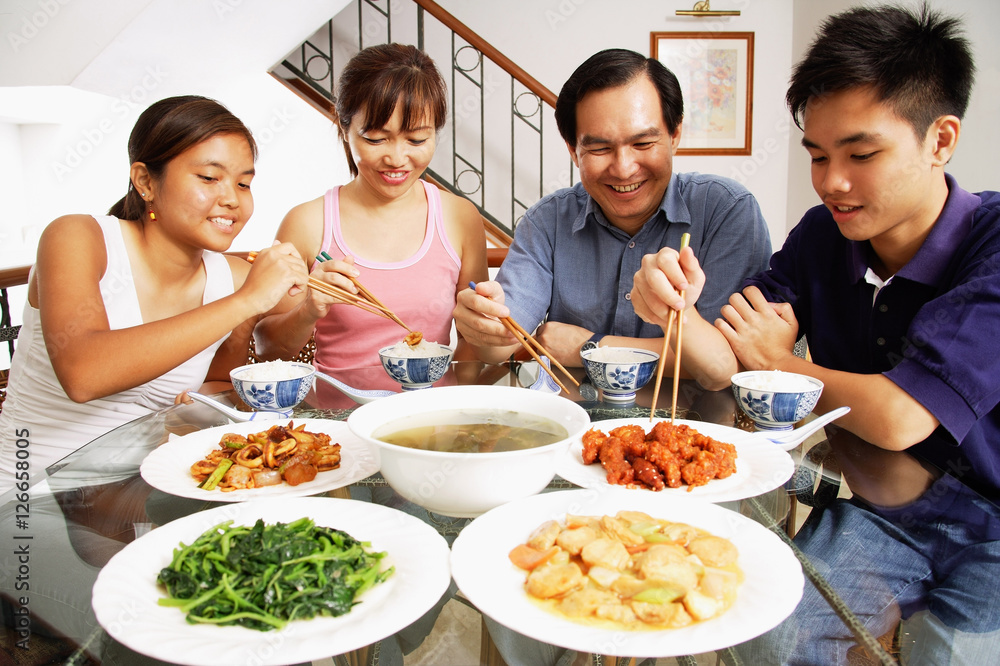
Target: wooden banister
[[495, 256], [484, 47], [14, 276]]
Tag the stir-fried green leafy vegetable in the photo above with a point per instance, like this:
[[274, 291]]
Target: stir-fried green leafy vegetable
[[263, 576]]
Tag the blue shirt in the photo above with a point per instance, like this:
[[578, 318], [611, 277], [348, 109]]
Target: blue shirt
[[569, 263], [933, 329]]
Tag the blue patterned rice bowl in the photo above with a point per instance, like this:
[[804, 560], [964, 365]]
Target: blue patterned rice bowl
[[619, 371], [276, 385], [775, 400], [416, 368]]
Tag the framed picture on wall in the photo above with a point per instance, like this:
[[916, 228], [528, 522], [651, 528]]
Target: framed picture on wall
[[715, 70]]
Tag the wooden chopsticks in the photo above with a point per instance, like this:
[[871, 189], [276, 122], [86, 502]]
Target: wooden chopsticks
[[527, 341], [369, 296], [360, 300], [679, 318]]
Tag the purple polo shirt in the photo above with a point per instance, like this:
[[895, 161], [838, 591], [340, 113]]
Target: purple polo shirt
[[933, 329]]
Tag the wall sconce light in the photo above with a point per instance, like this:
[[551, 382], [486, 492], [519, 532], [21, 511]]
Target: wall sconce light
[[702, 9]]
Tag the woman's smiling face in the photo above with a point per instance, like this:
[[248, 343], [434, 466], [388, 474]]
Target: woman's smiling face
[[204, 193], [390, 159]]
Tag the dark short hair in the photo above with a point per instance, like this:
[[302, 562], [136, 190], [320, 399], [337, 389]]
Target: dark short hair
[[165, 130], [917, 62], [613, 68], [378, 78]]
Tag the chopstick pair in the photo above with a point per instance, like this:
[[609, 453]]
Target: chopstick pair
[[376, 308], [527, 341], [679, 318], [368, 297]]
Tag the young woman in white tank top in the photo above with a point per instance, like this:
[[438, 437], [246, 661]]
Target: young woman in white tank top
[[125, 313]]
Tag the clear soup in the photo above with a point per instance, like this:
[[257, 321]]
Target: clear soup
[[471, 431]]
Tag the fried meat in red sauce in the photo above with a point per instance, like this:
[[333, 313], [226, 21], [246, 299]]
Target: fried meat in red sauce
[[668, 456]]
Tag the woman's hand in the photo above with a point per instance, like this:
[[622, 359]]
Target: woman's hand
[[657, 285], [336, 272], [477, 314], [276, 272]]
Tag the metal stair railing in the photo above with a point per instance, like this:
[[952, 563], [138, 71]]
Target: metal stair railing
[[500, 149]]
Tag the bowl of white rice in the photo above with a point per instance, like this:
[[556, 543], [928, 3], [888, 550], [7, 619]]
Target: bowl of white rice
[[274, 385], [775, 400], [619, 371], [418, 366]]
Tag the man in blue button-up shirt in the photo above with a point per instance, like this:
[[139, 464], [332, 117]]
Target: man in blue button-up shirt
[[575, 252]]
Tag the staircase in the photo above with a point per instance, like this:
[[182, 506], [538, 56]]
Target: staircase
[[500, 148]]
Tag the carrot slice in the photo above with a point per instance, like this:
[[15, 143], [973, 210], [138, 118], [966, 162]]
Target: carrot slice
[[526, 557]]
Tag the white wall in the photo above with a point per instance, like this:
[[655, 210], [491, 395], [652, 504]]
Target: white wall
[[222, 49], [75, 160], [550, 38]]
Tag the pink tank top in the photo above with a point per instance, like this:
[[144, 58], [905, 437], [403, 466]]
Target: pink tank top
[[420, 290]]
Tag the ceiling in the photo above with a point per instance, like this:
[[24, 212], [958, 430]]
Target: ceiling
[[61, 53]]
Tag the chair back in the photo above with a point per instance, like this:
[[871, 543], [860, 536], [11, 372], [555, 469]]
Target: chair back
[[9, 277]]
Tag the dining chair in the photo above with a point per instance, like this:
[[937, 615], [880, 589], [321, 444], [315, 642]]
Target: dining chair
[[8, 334]]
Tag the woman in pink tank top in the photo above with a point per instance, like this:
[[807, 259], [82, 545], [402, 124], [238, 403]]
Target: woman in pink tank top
[[409, 243]]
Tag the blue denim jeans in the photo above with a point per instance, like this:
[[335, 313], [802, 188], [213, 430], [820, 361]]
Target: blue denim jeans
[[520, 650], [934, 564]]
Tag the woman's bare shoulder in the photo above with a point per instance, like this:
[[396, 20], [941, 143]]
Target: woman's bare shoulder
[[79, 234], [307, 209], [77, 223], [305, 217], [459, 208]]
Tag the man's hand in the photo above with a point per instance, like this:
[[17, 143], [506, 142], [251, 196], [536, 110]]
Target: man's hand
[[563, 341], [477, 314], [657, 285], [760, 333]]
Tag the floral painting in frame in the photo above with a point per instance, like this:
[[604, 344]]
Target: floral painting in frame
[[715, 72]]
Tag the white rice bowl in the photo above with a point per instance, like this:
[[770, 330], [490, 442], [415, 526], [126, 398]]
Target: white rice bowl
[[424, 349], [616, 355], [273, 371], [776, 381]]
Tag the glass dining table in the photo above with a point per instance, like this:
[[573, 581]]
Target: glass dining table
[[76, 515]]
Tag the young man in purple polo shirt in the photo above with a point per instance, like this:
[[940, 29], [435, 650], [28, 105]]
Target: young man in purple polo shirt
[[895, 282]]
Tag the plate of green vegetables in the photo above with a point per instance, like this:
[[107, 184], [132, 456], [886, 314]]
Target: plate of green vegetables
[[273, 581]]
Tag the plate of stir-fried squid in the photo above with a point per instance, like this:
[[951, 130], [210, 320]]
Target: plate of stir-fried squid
[[243, 461]]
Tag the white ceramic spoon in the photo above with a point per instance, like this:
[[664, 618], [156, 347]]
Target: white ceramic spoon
[[357, 395], [237, 415], [788, 440]]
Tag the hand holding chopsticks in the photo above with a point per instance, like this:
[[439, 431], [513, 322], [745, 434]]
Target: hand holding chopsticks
[[364, 300], [530, 343], [679, 318], [368, 297]]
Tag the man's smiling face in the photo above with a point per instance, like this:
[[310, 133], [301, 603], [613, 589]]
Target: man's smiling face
[[624, 151]]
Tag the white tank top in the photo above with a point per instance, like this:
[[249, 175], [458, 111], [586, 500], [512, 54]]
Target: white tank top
[[37, 408]]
